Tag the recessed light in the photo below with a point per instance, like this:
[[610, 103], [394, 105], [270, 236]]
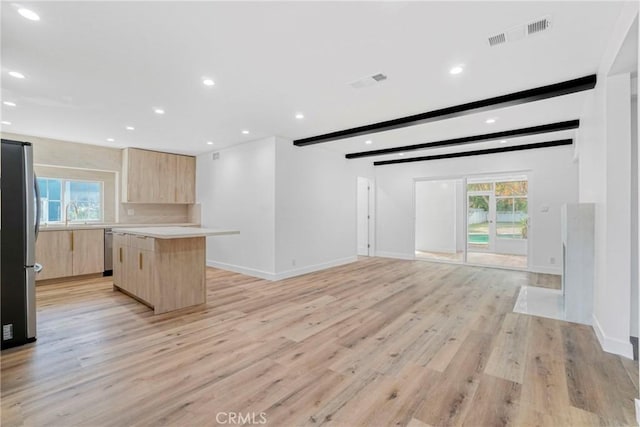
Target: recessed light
[[16, 74], [299, 116], [9, 103], [400, 154], [4, 122], [504, 141], [456, 70], [29, 14], [245, 132], [209, 142], [110, 139], [130, 128], [490, 121], [208, 82], [158, 110], [368, 142]]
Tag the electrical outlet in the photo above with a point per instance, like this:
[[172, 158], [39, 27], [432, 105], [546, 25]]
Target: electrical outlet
[[552, 260], [130, 212], [293, 262]]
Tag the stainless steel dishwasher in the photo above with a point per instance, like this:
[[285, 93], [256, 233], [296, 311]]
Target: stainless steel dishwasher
[[108, 252]]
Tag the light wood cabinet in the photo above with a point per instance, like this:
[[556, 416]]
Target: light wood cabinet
[[67, 253], [165, 274], [119, 260], [88, 251], [133, 268], [186, 182], [155, 177], [53, 252]]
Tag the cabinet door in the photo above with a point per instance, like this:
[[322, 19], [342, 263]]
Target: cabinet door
[[139, 172], [88, 251], [145, 275], [166, 177], [119, 259], [185, 183], [53, 252]]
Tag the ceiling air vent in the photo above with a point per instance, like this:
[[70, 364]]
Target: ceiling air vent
[[497, 39], [368, 81], [538, 26]]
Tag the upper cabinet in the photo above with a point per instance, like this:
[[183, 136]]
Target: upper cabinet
[[155, 177]]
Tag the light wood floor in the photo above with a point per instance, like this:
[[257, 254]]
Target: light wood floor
[[378, 342]]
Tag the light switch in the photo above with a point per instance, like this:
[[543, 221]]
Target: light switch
[[130, 212]]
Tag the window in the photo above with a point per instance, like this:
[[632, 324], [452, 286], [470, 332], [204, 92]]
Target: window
[[512, 213], [83, 200]]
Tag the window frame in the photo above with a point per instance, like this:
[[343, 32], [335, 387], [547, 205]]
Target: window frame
[[64, 200]]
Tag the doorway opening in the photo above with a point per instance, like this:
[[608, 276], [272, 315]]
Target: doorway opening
[[498, 221], [439, 220]]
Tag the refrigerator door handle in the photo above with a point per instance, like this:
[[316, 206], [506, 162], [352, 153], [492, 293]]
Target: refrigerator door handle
[[38, 203], [29, 201]]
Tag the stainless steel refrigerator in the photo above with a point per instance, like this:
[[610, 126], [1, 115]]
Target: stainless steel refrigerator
[[20, 212]]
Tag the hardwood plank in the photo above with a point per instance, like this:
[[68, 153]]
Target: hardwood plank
[[376, 342]]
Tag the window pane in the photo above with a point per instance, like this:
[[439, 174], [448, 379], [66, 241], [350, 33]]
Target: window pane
[[481, 186], [511, 218], [54, 211], [42, 183], [54, 189], [87, 200], [512, 188]]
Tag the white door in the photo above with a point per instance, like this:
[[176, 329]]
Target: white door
[[363, 215]]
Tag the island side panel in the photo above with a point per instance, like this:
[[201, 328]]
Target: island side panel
[[180, 273]]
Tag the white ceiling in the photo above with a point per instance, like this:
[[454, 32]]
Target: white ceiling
[[93, 68]]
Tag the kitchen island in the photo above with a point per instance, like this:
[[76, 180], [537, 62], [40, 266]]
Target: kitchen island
[[162, 267]]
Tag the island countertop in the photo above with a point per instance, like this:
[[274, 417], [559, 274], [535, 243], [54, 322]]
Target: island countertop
[[174, 232]]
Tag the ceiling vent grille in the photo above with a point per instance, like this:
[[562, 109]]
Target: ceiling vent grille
[[521, 31], [497, 39], [538, 26], [368, 81]]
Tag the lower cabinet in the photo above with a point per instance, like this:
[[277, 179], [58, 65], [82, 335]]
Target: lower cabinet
[[134, 265], [66, 253]]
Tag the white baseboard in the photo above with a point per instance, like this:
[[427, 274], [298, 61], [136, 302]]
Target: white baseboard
[[283, 275], [612, 345], [395, 255], [638, 411], [545, 269], [315, 267], [242, 270]]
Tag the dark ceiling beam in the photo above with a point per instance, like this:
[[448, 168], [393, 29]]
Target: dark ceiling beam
[[548, 144], [509, 100], [533, 130]]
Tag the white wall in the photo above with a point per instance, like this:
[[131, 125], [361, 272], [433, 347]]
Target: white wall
[[315, 208], [295, 207], [604, 150], [553, 181], [436, 215], [237, 191]]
